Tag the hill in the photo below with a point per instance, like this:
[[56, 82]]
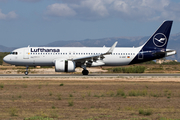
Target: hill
[[122, 42]]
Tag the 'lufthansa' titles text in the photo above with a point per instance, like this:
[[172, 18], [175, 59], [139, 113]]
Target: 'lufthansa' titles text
[[44, 50]]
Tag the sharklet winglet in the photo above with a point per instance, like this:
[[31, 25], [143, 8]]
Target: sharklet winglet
[[112, 48]]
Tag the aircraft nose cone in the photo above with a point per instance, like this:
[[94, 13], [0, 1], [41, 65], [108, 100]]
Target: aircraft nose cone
[[6, 59]]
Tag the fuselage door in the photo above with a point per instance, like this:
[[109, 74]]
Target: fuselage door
[[70, 55], [140, 55], [26, 53]]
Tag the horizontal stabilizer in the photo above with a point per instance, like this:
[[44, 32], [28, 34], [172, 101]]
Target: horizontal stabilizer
[[170, 52]]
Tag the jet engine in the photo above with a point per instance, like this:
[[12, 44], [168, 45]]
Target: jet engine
[[64, 66]]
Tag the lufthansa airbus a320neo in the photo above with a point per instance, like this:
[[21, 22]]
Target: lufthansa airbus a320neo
[[66, 59]]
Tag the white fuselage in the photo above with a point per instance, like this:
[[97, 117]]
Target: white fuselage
[[46, 56]]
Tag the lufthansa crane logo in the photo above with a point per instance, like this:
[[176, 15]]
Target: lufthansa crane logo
[[159, 40]]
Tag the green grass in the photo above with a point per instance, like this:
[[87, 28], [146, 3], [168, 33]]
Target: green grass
[[46, 66], [137, 93], [13, 111], [131, 69], [70, 102], [102, 95], [111, 93], [38, 118], [53, 107], [167, 92], [171, 63], [70, 95], [120, 92], [155, 94], [54, 114], [59, 97], [50, 93], [1, 85], [39, 87], [146, 112], [149, 63], [99, 117], [2, 55], [163, 118], [25, 86], [61, 84], [157, 68], [96, 95], [89, 93]]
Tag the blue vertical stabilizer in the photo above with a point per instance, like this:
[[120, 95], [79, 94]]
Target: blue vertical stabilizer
[[155, 47]]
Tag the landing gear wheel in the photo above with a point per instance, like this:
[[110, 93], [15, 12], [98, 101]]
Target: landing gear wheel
[[85, 72], [26, 72]]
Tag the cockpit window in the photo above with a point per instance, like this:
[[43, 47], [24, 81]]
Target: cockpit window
[[14, 53]]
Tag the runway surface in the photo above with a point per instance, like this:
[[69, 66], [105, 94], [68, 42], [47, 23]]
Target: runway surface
[[92, 75]]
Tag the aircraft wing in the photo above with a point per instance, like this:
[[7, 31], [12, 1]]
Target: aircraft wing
[[95, 57]]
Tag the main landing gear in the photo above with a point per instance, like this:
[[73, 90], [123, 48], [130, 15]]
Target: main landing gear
[[85, 71], [26, 72]]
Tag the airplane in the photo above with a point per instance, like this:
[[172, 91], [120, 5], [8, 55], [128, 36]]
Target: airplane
[[66, 59]]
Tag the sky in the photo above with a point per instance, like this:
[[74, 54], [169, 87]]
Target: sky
[[38, 22]]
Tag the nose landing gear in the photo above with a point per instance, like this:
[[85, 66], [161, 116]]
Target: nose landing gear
[[26, 72]]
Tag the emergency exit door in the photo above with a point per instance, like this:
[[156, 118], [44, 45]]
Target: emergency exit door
[[26, 53]]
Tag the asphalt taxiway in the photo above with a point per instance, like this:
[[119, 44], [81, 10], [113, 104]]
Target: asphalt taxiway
[[92, 75]]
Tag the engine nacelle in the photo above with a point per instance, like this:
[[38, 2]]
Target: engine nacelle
[[64, 66]]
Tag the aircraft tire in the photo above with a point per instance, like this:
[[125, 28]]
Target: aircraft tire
[[85, 72], [26, 72]]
